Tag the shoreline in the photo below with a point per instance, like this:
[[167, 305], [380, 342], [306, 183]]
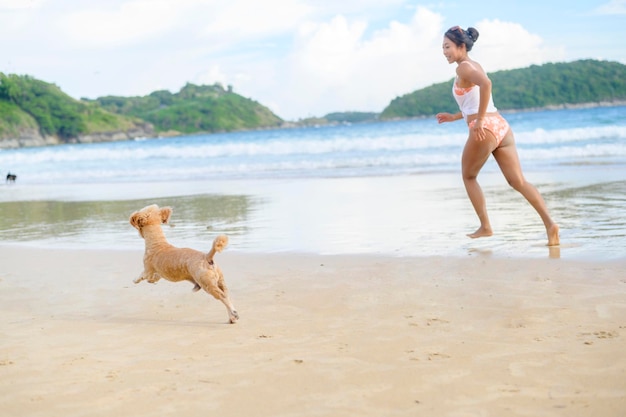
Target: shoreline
[[318, 335], [400, 216]]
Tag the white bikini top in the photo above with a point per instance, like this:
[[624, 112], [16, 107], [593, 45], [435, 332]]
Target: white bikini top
[[468, 100]]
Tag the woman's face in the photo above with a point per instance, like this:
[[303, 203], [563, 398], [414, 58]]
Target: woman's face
[[452, 52]]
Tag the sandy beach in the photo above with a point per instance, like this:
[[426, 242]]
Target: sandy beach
[[359, 291], [318, 336]]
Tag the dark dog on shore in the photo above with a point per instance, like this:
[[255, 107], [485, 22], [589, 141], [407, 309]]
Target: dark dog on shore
[[11, 177], [162, 260]]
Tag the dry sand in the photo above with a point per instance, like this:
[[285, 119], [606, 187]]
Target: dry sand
[[318, 336]]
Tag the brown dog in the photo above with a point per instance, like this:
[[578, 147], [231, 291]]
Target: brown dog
[[162, 260]]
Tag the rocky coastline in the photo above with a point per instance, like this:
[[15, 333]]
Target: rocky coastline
[[33, 138]]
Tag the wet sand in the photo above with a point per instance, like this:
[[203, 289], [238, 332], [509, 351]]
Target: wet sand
[[414, 215], [318, 336]]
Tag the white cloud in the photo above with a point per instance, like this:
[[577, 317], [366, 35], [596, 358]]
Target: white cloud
[[338, 66], [613, 7], [15, 18], [328, 51], [211, 76], [506, 45], [238, 19], [337, 62], [129, 22], [204, 25], [20, 4]]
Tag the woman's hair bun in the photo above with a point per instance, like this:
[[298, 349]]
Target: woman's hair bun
[[472, 33]]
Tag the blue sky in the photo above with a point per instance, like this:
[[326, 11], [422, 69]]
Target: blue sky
[[301, 58]]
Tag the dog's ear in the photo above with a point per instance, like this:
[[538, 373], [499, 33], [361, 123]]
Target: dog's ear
[[137, 220], [166, 212]]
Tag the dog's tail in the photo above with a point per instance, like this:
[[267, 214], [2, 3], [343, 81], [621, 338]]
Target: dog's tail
[[219, 244]]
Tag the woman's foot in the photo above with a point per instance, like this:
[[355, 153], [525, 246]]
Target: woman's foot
[[553, 235], [481, 232]]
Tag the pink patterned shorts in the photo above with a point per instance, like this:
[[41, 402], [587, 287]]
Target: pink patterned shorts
[[496, 124]]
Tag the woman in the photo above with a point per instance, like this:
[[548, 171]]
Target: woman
[[489, 133]]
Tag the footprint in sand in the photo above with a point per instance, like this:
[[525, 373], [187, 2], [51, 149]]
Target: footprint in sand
[[605, 335], [433, 321], [601, 334], [437, 356], [436, 321], [411, 323], [432, 356]]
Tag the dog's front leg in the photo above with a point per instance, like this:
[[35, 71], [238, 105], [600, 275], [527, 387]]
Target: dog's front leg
[[140, 278], [151, 277]]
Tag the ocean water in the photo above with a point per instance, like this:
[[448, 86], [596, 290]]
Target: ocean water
[[546, 140], [388, 188]]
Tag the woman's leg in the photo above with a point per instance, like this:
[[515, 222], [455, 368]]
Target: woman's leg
[[475, 154], [508, 160]]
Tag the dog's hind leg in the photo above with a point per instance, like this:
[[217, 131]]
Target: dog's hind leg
[[153, 278], [220, 292]]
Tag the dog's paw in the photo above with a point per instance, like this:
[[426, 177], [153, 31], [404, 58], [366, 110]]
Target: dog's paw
[[234, 317], [154, 278]]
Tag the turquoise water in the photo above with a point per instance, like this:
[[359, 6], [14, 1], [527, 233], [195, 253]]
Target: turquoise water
[[388, 188]]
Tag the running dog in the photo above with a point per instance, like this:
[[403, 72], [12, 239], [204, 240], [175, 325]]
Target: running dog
[[162, 260]]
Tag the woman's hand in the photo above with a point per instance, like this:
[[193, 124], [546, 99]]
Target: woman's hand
[[479, 131], [445, 117]]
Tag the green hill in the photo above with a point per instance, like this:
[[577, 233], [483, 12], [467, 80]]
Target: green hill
[[537, 86], [36, 113], [196, 108]]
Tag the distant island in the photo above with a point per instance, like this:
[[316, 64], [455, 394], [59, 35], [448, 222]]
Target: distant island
[[37, 113]]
